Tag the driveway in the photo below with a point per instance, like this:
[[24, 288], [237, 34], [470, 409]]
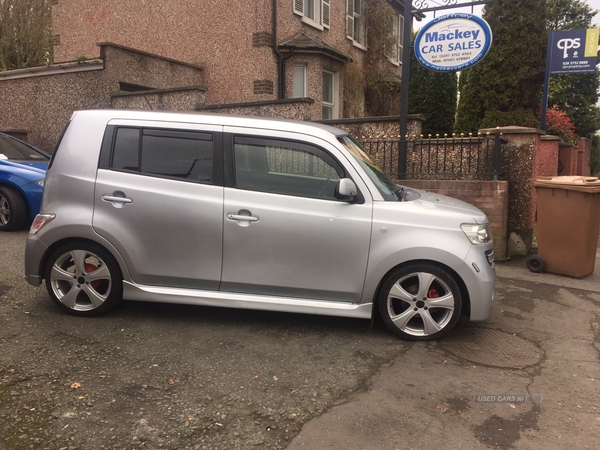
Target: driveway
[[152, 376]]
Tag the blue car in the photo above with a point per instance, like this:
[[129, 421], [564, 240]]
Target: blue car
[[22, 171]]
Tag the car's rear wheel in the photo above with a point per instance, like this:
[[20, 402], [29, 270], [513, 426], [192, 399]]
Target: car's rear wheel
[[84, 279], [420, 302], [13, 210]]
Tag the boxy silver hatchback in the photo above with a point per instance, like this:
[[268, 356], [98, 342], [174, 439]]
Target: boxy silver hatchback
[[251, 213]]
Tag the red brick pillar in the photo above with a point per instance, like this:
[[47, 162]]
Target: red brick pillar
[[528, 153], [583, 157], [568, 159]]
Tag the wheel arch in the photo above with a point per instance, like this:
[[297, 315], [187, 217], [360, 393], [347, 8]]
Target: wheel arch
[[55, 245], [464, 292]]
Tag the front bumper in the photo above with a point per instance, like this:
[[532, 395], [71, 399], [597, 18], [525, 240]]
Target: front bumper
[[479, 277]]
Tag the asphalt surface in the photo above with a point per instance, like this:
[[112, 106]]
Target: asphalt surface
[[427, 397], [148, 376]]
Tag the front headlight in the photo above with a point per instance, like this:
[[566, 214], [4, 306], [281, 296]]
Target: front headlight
[[477, 233]]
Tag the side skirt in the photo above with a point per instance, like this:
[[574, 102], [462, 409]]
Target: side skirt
[[138, 292]]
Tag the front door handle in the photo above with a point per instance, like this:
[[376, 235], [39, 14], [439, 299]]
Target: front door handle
[[233, 216], [243, 217]]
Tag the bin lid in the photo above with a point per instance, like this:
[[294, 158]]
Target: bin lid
[[570, 183]]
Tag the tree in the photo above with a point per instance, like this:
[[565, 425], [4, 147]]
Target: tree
[[381, 85], [576, 94], [470, 110], [559, 124], [25, 33], [505, 87], [595, 155], [432, 94]]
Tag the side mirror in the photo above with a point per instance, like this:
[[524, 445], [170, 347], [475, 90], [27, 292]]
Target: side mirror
[[346, 189]]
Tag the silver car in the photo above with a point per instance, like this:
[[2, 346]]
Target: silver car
[[251, 213]]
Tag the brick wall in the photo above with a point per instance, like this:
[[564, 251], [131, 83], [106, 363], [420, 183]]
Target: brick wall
[[489, 196]]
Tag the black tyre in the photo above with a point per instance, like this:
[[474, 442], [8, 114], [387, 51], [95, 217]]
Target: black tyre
[[84, 279], [420, 302], [13, 210], [536, 263]]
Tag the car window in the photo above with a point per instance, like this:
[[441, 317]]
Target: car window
[[285, 168], [173, 154], [14, 149], [382, 181]]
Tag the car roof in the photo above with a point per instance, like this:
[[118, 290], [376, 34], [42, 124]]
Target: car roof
[[26, 144], [195, 117]]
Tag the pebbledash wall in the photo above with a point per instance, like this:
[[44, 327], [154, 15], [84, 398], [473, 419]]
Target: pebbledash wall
[[232, 40], [40, 100]]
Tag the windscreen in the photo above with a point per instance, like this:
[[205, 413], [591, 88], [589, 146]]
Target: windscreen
[[382, 181]]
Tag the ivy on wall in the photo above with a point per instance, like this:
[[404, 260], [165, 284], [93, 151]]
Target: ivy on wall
[[374, 90]]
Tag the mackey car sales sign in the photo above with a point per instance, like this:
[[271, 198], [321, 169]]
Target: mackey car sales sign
[[453, 42]]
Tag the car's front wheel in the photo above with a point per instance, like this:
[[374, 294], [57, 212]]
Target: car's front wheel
[[420, 302], [84, 279], [13, 210]]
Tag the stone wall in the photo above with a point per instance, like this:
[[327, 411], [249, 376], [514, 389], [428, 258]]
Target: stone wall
[[373, 128], [41, 100], [177, 99], [294, 108]]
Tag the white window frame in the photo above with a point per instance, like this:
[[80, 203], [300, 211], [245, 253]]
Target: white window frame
[[356, 23], [394, 52], [334, 105], [299, 81], [313, 12]]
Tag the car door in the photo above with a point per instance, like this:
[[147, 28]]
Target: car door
[[159, 202], [285, 233]]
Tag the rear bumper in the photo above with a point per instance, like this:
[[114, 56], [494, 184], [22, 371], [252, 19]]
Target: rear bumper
[[34, 252]]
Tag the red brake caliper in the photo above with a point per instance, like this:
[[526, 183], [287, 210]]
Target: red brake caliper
[[433, 294], [89, 268]]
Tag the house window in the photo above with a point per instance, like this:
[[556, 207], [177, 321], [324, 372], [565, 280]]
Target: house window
[[299, 90], [355, 22], [313, 12], [396, 44], [330, 95]]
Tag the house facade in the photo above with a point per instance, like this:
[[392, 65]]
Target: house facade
[[296, 59], [251, 51]]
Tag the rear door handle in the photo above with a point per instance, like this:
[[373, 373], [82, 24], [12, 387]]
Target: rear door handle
[[117, 198]]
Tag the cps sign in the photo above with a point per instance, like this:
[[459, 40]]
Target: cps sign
[[573, 51], [453, 42]]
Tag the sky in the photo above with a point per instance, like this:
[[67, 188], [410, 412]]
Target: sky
[[594, 4]]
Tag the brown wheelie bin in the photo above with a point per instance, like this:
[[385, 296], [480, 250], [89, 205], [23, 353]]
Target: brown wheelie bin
[[568, 222]]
